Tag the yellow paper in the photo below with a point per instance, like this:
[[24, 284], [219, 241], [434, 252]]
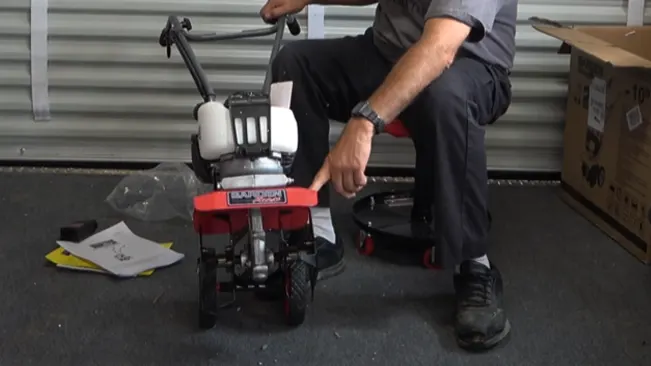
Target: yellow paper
[[63, 259]]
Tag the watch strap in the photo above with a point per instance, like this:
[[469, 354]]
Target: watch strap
[[363, 109]]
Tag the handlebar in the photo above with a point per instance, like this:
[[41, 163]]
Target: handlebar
[[178, 33], [293, 26]]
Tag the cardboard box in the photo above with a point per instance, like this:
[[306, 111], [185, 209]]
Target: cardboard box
[[606, 173]]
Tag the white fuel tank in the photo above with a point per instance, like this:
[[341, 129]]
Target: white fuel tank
[[216, 131]]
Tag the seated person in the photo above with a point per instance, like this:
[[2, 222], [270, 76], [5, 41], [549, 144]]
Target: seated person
[[441, 67]]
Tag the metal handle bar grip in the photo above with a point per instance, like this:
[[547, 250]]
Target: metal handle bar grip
[[177, 33], [249, 33], [292, 25]]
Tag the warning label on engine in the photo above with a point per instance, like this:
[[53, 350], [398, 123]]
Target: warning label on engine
[[257, 197]]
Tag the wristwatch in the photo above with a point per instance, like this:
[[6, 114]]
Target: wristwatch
[[363, 109]]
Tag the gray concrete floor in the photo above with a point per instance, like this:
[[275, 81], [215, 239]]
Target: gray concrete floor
[[574, 297]]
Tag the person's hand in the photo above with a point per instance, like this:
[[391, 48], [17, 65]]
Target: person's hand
[[346, 163], [275, 9]]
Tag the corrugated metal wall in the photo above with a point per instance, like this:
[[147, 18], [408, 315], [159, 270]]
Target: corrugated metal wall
[[116, 97], [114, 94]]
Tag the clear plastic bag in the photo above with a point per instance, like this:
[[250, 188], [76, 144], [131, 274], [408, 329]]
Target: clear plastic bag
[[159, 194]]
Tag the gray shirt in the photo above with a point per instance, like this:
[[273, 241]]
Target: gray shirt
[[399, 24]]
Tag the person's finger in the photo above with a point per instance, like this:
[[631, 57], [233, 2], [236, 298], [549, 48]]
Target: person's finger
[[269, 9], [264, 11], [338, 182], [321, 178], [336, 178], [348, 180], [360, 178], [278, 11]]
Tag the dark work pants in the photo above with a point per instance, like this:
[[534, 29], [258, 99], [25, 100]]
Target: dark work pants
[[446, 121]]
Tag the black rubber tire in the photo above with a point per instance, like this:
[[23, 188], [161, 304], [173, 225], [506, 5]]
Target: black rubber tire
[[208, 304], [297, 292]]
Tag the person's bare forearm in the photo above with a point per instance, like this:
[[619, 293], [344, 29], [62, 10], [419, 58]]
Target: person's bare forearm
[[344, 2]]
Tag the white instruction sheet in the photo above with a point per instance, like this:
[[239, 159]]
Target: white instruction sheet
[[121, 252]]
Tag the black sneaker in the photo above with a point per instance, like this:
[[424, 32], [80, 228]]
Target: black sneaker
[[330, 258], [481, 322]]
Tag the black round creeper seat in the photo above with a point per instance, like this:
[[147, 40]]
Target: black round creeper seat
[[392, 225]]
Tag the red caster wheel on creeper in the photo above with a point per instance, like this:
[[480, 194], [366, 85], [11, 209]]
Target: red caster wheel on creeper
[[365, 246], [428, 261]]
